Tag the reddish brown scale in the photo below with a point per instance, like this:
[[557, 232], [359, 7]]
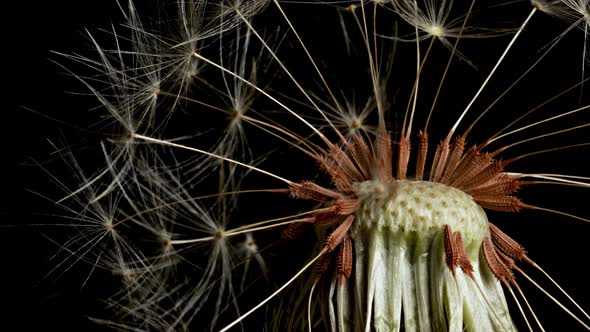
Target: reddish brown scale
[[495, 263], [479, 163], [463, 262], [440, 160], [509, 262], [403, 158], [312, 191], [421, 155], [329, 161], [346, 206], [455, 156], [383, 157], [451, 251], [326, 218], [497, 189], [342, 169], [361, 155], [500, 203], [346, 164], [506, 244], [435, 160], [487, 174], [482, 161], [501, 185], [455, 253], [342, 183], [338, 234], [359, 170], [466, 163], [344, 260]]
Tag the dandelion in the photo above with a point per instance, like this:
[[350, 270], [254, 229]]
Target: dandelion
[[357, 178]]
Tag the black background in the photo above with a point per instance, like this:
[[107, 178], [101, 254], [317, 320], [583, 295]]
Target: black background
[[31, 302]]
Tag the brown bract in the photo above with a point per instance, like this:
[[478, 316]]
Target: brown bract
[[455, 254]]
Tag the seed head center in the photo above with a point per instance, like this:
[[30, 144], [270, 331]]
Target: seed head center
[[420, 209]]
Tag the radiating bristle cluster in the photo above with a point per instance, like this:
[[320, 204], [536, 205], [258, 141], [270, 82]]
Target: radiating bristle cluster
[[455, 254]]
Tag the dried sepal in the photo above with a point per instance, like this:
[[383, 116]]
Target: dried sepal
[[338, 234], [506, 244], [496, 263], [344, 260], [312, 191], [421, 154]]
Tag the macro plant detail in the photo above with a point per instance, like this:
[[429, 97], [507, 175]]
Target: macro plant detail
[[216, 115], [394, 225]]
